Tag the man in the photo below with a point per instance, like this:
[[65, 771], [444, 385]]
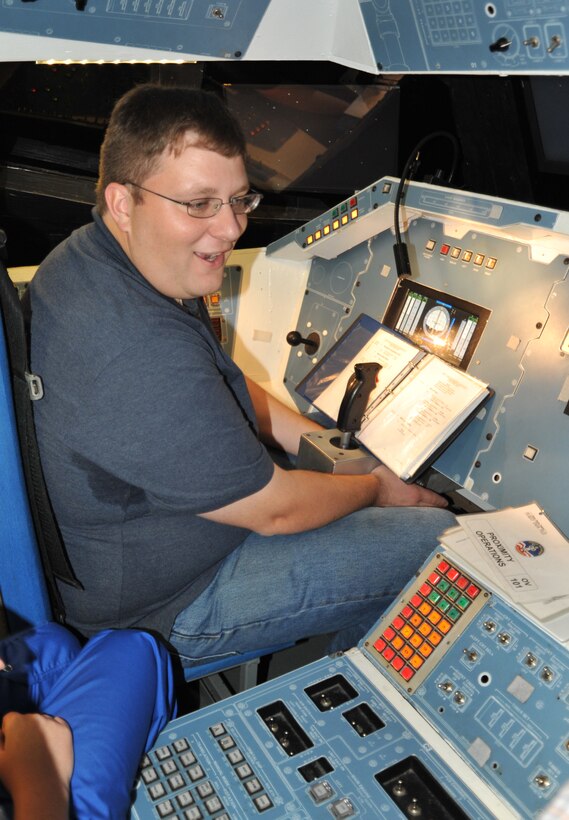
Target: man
[[173, 513]]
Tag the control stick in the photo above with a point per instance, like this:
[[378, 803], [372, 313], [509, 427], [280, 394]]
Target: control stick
[[311, 344]]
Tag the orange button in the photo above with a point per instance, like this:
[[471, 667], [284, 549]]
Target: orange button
[[416, 640], [426, 650], [397, 642], [406, 652], [445, 626], [425, 628], [435, 638], [416, 661], [425, 608], [435, 617], [407, 631], [416, 620]]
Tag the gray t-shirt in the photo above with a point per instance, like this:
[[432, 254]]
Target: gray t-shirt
[[145, 422]]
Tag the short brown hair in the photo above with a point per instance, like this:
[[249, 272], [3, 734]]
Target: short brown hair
[[151, 118]]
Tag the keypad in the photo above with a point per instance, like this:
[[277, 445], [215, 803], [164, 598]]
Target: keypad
[[451, 22], [412, 636], [181, 784]]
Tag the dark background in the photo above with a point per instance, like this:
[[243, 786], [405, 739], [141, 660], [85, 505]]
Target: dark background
[[509, 131]]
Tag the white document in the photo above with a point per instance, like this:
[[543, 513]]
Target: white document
[[520, 550], [404, 429], [390, 351]]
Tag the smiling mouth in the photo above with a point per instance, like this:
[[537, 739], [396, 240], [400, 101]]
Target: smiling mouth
[[210, 257]]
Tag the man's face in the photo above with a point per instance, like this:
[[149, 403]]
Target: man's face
[[181, 256]]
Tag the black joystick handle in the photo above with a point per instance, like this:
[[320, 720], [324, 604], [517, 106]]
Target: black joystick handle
[[353, 406], [311, 344]]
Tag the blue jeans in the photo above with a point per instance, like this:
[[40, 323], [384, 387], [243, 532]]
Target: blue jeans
[[278, 589], [116, 694]]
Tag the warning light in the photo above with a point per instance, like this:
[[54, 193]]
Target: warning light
[[326, 230], [345, 219], [445, 249], [354, 213], [335, 224], [309, 239], [317, 234]]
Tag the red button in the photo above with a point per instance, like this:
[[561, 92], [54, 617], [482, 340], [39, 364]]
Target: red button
[[462, 582], [445, 249], [380, 645], [389, 634], [407, 672], [453, 574], [443, 566], [434, 577], [388, 653], [472, 591], [425, 590], [397, 663], [406, 612], [416, 600], [398, 622]]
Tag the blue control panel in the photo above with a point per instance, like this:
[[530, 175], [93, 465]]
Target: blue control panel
[[513, 36], [453, 706], [500, 263], [221, 30]]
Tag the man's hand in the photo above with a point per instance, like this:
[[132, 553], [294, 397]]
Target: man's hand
[[392, 492], [36, 763]]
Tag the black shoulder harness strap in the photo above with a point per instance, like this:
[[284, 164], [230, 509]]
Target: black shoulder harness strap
[[28, 388]]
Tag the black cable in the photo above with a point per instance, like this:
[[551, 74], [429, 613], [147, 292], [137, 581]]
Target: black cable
[[411, 167]]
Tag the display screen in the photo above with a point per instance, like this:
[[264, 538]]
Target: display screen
[[443, 324]]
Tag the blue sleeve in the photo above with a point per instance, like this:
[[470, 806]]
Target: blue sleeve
[[116, 695]]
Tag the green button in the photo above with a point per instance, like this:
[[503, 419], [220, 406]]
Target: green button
[[453, 614], [463, 602], [443, 585], [443, 606], [343, 207], [434, 597], [453, 594], [335, 213]]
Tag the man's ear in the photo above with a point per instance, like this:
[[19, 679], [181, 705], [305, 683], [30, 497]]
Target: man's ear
[[119, 204]]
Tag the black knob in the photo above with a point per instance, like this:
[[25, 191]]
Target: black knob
[[501, 44], [311, 344]]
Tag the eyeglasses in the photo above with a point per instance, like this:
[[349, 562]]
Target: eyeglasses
[[206, 207]]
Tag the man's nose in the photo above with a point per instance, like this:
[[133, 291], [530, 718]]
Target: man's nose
[[227, 224]]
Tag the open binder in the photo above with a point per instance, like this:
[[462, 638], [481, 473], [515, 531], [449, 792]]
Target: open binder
[[420, 404]]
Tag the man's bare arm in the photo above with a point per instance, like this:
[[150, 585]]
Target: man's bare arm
[[279, 425], [300, 500]]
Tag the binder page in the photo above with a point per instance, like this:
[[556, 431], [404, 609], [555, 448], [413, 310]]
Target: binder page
[[390, 351], [523, 551], [410, 424]]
